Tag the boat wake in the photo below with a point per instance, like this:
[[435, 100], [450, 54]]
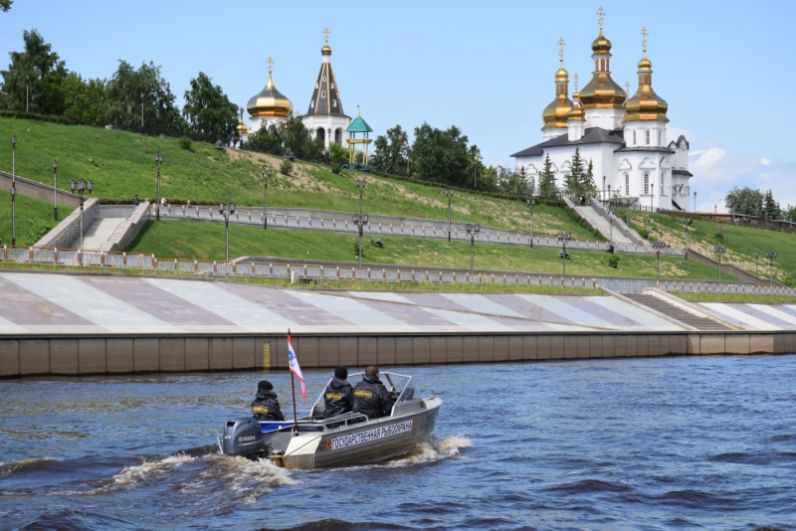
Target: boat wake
[[247, 479], [434, 450], [148, 471]]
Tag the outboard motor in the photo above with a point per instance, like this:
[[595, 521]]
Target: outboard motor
[[243, 437]]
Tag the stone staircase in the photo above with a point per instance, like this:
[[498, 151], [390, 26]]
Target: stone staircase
[[608, 225], [703, 322]]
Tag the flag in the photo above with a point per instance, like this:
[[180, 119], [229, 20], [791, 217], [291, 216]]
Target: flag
[[295, 368]]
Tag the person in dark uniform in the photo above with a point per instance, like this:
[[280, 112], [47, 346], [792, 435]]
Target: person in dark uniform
[[339, 395], [370, 395], [265, 405]]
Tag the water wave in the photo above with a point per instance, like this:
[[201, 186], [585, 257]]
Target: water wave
[[591, 485], [132, 476], [247, 479], [31, 463], [434, 450]]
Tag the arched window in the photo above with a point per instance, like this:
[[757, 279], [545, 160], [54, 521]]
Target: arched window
[[646, 183], [323, 95], [627, 184]]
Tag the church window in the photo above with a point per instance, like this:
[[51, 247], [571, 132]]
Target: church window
[[323, 94], [647, 136], [661, 180], [627, 184], [634, 137], [646, 183]]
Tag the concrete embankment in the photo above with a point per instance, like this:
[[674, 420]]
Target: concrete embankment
[[70, 355]]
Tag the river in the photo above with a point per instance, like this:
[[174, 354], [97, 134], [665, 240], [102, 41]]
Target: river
[[637, 443]]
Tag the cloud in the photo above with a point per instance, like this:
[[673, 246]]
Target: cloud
[[709, 158], [765, 162]]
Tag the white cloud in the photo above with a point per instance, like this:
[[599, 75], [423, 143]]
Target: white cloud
[[765, 162], [708, 159]]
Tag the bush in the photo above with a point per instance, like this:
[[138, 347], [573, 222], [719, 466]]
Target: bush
[[613, 261], [286, 167], [185, 143]]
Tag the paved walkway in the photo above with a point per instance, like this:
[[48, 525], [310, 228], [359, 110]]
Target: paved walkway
[[602, 225]]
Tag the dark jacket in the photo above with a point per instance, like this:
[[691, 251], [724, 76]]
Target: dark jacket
[[372, 398], [265, 406], [339, 398]]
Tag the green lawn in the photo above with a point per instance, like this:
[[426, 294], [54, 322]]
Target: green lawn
[[122, 165], [34, 219], [741, 242], [205, 241]]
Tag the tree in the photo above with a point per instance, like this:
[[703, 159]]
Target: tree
[[441, 156], [297, 139], [267, 140], [5, 5], [547, 180], [391, 152], [34, 79], [338, 155], [130, 90], [588, 185], [771, 209], [85, 102], [745, 201], [208, 113], [574, 181]]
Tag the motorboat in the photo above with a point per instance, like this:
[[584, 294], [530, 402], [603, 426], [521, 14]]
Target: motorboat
[[348, 439]]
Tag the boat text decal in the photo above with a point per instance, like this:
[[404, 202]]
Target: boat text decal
[[382, 432]]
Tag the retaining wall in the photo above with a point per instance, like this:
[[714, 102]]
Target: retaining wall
[[68, 230], [118, 354], [38, 190]]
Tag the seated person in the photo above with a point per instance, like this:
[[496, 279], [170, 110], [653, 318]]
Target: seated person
[[265, 405], [339, 395], [370, 395]]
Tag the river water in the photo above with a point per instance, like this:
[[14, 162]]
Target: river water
[[631, 443]]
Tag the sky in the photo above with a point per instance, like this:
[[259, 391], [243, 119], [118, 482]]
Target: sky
[[486, 67]]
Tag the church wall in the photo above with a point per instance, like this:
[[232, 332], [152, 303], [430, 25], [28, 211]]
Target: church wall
[[605, 118]]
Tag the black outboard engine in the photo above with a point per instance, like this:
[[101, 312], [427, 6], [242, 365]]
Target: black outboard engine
[[243, 437]]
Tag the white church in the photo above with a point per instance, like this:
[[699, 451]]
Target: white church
[[624, 138], [325, 118]]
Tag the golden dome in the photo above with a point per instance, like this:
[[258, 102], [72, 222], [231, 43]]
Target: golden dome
[[601, 44], [269, 102], [242, 129], [555, 114], [645, 105], [326, 50], [601, 92]]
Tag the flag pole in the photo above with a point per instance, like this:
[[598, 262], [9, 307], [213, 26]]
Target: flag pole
[[293, 392]]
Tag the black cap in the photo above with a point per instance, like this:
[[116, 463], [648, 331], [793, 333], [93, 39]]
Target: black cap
[[341, 373], [264, 385]]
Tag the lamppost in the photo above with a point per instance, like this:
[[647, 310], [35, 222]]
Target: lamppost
[[55, 189], [158, 161], [564, 237], [719, 250], [603, 188], [686, 223], [610, 218], [360, 220], [658, 246], [530, 203], [226, 211], [79, 187], [695, 207], [13, 191], [27, 93], [771, 255], [361, 185], [265, 172], [449, 194], [142, 111], [472, 231]]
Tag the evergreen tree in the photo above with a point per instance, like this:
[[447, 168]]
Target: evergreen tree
[[770, 207], [588, 186], [547, 180], [574, 181]]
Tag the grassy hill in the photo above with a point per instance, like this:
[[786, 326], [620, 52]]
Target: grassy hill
[[122, 165], [741, 242], [34, 219], [205, 241]]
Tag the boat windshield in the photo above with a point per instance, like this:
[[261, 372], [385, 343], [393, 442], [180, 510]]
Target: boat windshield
[[398, 385]]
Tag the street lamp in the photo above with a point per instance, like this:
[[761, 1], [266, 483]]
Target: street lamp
[[13, 191], [771, 255], [695, 203], [719, 250], [658, 246], [265, 172], [472, 231], [603, 188], [158, 161], [79, 187], [564, 237], [360, 220], [226, 211], [142, 111], [530, 203], [55, 189], [449, 193]]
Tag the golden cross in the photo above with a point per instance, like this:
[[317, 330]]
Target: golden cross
[[561, 44], [601, 18], [326, 35], [270, 62], [644, 34]]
